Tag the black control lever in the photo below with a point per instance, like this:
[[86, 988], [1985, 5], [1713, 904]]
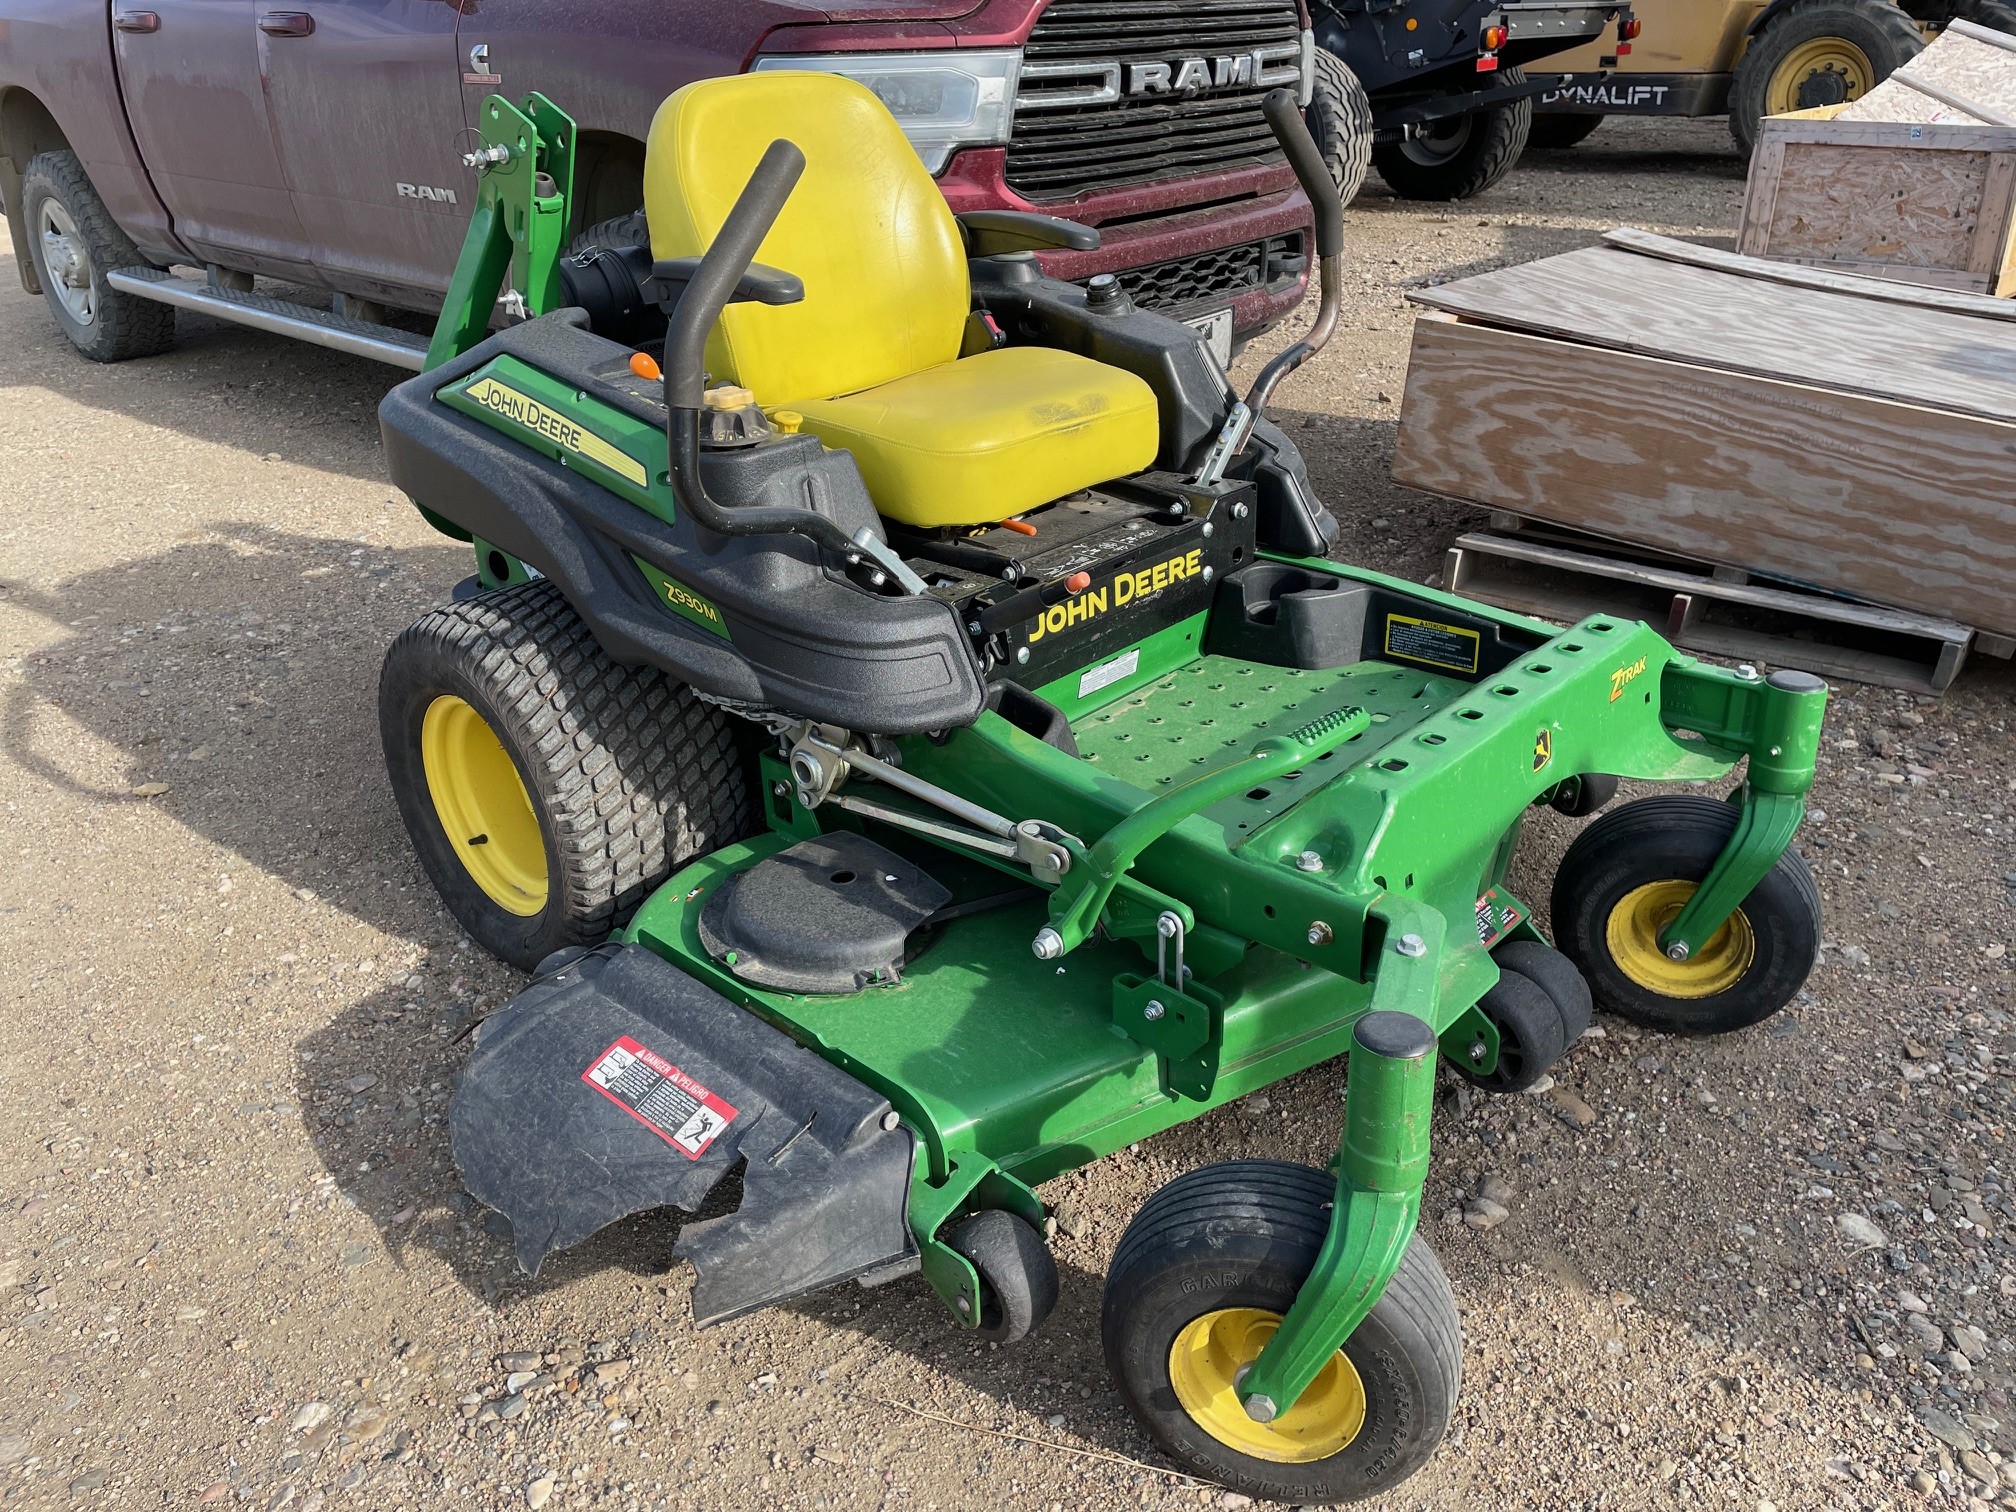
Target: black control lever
[[1284, 116], [720, 278]]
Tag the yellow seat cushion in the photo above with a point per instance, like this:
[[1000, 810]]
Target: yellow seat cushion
[[984, 438]]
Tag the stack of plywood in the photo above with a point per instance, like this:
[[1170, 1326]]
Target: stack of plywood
[[1914, 181], [1855, 436]]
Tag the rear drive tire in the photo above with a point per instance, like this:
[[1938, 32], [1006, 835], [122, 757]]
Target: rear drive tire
[[1556, 129], [1818, 52], [1340, 121], [74, 242], [547, 789], [1464, 155], [1018, 1277], [1200, 1279]]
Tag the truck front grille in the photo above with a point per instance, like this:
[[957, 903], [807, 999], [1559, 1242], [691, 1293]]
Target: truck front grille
[[1099, 103], [1209, 277]]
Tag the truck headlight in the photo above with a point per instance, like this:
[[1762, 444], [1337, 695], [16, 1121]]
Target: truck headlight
[[942, 100]]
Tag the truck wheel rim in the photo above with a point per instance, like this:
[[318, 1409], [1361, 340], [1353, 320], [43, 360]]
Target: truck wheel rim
[[1439, 143], [1632, 935], [1205, 1364], [67, 263], [483, 807], [1825, 71]]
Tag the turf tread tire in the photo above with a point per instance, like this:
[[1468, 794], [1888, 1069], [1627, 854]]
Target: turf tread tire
[[1886, 35], [1272, 1217], [1679, 835], [1340, 122], [1497, 136], [630, 774], [123, 326]]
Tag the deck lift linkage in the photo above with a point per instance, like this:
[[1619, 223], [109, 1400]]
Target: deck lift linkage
[[913, 731]]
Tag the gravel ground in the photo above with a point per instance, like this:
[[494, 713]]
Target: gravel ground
[[1764, 1272]]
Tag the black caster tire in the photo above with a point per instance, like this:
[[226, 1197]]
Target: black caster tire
[[1554, 130], [1463, 155], [1818, 52], [1554, 974], [1629, 873], [1199, 1282], [1018, 1276], [73, 243], [573, 786], [1531, 1034], [1579, 797], [1339, 118]]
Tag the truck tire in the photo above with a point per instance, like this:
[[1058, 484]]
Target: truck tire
[[1818, 52], [74, 243], [1554, 130], [1340, 121], [1464, 156], [618, 231]]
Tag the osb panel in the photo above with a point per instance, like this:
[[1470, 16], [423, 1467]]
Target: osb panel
[[1976, 71], [1905, 506], [1871, 204]]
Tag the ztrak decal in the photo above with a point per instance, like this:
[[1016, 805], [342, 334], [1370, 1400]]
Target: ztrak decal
[[1122, 588], [551, 425], [1496, 918], [1623, 677], [682, 600], [1449, 647], [660, 1096]]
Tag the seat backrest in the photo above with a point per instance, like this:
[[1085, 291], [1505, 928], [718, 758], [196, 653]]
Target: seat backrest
[[867, 230]]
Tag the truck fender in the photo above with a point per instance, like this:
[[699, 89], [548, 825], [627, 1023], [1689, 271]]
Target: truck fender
[[26, 128]]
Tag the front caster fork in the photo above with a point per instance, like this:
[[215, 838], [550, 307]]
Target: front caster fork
[[1382, 1162]]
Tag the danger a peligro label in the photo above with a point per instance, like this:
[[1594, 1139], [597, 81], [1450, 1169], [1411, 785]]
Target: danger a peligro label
[[660, 1096]]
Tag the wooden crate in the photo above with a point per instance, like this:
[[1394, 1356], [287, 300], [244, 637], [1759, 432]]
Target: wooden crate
[[1927, 204], [1705, 404]]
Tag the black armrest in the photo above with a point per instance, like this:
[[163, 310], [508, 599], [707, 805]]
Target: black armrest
[[989, 232], [760, 284]]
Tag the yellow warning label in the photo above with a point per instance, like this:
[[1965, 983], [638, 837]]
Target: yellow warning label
[[1449, 647], [555, 427]]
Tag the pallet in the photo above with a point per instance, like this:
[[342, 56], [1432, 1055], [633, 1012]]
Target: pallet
[[1566, 577]]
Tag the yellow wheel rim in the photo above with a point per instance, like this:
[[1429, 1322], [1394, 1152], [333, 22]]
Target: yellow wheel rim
[[483, 806], [1204, 1367], [1633, 937], [1823, 55]]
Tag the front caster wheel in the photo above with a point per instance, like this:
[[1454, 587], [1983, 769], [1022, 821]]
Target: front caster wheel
[[1018, 1277], [1200, 1282], [1626, 878]]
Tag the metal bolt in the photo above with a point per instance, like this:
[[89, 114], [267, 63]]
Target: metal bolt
[[1208, 574], [1261, 1408], [963, 1305], [891, 1119], [483, 157], [1309, 861], [1319, 933], [1477, 1050], [1747, 672], [1207, 530], [1153, 1011], [972, 627], [1412, 945], [1021, 656], [781, 789], [1678, 951], [1239, 511], [1048, 944]]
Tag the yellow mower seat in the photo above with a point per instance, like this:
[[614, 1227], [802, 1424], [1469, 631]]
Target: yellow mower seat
[[870, 357]]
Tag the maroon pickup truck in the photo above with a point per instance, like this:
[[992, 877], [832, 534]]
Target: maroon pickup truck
[[323, 146]]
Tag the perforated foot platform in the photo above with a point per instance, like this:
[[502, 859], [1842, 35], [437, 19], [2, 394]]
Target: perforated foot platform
[[619, 1084]]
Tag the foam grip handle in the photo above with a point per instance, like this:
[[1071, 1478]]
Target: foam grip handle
[[713, 284], [1284, 116]]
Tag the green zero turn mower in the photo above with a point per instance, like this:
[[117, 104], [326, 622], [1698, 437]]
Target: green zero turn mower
[[914, 738]]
